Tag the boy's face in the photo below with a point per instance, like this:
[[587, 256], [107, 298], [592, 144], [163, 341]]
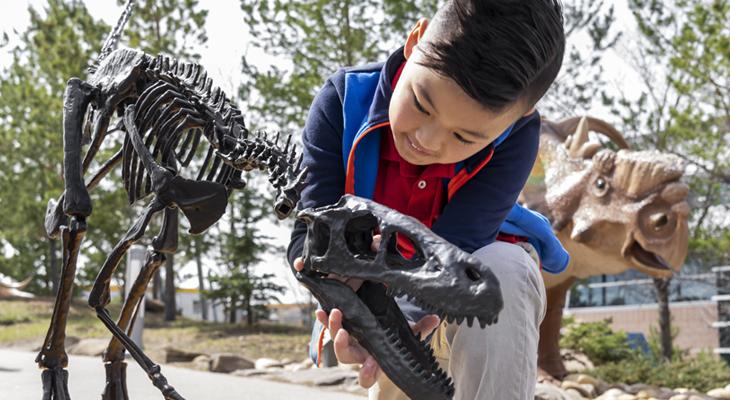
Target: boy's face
[[433, 120]]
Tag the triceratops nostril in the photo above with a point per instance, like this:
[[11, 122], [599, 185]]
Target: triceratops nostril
[[473, 274]]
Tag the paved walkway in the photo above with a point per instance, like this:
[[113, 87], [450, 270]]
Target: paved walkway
[[20, 379]]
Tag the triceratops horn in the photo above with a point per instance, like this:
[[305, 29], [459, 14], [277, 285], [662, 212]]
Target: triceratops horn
[[596, 125], [579, 138]]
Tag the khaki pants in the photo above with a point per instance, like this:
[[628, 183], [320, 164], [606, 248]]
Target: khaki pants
[[500, 361]]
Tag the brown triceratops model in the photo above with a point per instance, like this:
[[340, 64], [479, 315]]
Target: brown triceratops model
[[612, 210]]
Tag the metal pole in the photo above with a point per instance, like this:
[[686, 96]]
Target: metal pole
[[135, 261]]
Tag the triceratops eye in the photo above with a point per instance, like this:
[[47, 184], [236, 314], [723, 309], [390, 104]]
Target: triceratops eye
[[600, 186]]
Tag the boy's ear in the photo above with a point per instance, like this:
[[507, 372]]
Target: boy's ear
[[415, 36]]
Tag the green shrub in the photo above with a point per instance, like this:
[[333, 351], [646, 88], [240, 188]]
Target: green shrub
[[596, 340], [702, 372]]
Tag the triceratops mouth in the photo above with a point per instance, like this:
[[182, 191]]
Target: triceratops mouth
[[647, 258]]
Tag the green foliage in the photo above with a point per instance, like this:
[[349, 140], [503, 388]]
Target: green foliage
[[703, 372], [683, 58], [580, 84], [316, 38], [172, 27], [241, 247], [616, 362], [58, 44], [596, 340]]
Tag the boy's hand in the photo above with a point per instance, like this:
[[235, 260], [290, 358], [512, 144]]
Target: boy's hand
[[347, 350], [352, 283]]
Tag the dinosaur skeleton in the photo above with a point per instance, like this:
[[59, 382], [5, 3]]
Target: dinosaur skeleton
[[168, 111], [170, 114], [339, 239]]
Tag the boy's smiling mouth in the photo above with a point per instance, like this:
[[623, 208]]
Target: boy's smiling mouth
[[416, 148]]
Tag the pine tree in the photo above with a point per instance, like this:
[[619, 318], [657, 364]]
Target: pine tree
[[59, 42], [682, 56]]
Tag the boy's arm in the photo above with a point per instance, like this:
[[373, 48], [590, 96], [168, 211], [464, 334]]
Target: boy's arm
[[322, 156], [472, 218]]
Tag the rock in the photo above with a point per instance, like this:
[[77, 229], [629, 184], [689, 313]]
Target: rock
[[266, 363], [89, 347], [574, 394], [575, 361], [545, 391], [720, 393], [615, 394], [585, 389], [202, 363], [226, 363], [250, 372], [679, 397], [171, 354]]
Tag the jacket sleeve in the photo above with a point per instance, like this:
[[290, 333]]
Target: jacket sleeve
[[322, 155], [472, 218]]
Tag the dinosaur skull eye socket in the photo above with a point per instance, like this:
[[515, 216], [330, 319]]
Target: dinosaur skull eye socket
[[321, 238], [600, 186], [359, 233]]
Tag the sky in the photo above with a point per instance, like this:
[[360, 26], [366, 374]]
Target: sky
[[221, 56]]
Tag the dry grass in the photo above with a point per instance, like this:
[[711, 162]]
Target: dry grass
[[24, 324]]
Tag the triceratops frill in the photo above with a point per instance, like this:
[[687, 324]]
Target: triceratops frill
[[439, 277]]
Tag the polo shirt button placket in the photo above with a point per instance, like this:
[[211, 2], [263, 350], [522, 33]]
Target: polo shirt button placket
[[422, 184]]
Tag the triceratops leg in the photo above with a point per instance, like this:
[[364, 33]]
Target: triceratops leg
[[53, 358], [165, 242], [549, 359]]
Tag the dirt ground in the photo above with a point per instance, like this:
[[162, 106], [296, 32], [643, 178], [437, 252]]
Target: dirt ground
[[23, 325]]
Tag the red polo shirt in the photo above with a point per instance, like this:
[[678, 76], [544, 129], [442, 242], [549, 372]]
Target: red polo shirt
[[415, 190]]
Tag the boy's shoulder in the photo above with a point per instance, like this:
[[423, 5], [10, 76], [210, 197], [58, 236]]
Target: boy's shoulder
[[339, 78]]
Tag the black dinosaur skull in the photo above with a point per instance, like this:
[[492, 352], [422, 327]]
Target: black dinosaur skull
[[439, 277]]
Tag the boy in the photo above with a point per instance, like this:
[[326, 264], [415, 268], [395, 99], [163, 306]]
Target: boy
[[446, 131]]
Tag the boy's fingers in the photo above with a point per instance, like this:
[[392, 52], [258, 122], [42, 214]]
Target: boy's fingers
[[322, 317], [298, 264], [346, 351], [369, 372], [426, 325], [335, 322], [376, 242]]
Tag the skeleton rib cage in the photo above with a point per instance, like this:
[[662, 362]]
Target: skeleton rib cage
[[176, 106]]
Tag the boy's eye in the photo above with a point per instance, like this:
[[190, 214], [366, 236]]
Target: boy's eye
[[461, 139], [418, 105]]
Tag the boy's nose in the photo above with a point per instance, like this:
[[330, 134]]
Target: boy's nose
[[429, 137]]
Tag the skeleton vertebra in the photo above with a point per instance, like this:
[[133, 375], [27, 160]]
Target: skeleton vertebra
[[168, 109], [440, 278], [612, 210]]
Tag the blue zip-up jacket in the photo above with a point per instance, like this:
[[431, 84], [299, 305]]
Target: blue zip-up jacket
[[341, 142], [341, 149]]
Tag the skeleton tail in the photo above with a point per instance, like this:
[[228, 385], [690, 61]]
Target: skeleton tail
[[113, 39]]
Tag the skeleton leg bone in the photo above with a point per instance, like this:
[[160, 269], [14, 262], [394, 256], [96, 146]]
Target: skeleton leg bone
[[53, 358], [165, 242]]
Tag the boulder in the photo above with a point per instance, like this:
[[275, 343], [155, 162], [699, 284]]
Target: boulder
[[89, 347], [202, 363], [266, 363], [546, 391], [226, 363], [171, 354]]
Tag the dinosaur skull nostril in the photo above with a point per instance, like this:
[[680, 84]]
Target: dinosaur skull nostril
[[473, 274]]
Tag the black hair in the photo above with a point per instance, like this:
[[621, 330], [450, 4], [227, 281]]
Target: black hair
[[499, 52]]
